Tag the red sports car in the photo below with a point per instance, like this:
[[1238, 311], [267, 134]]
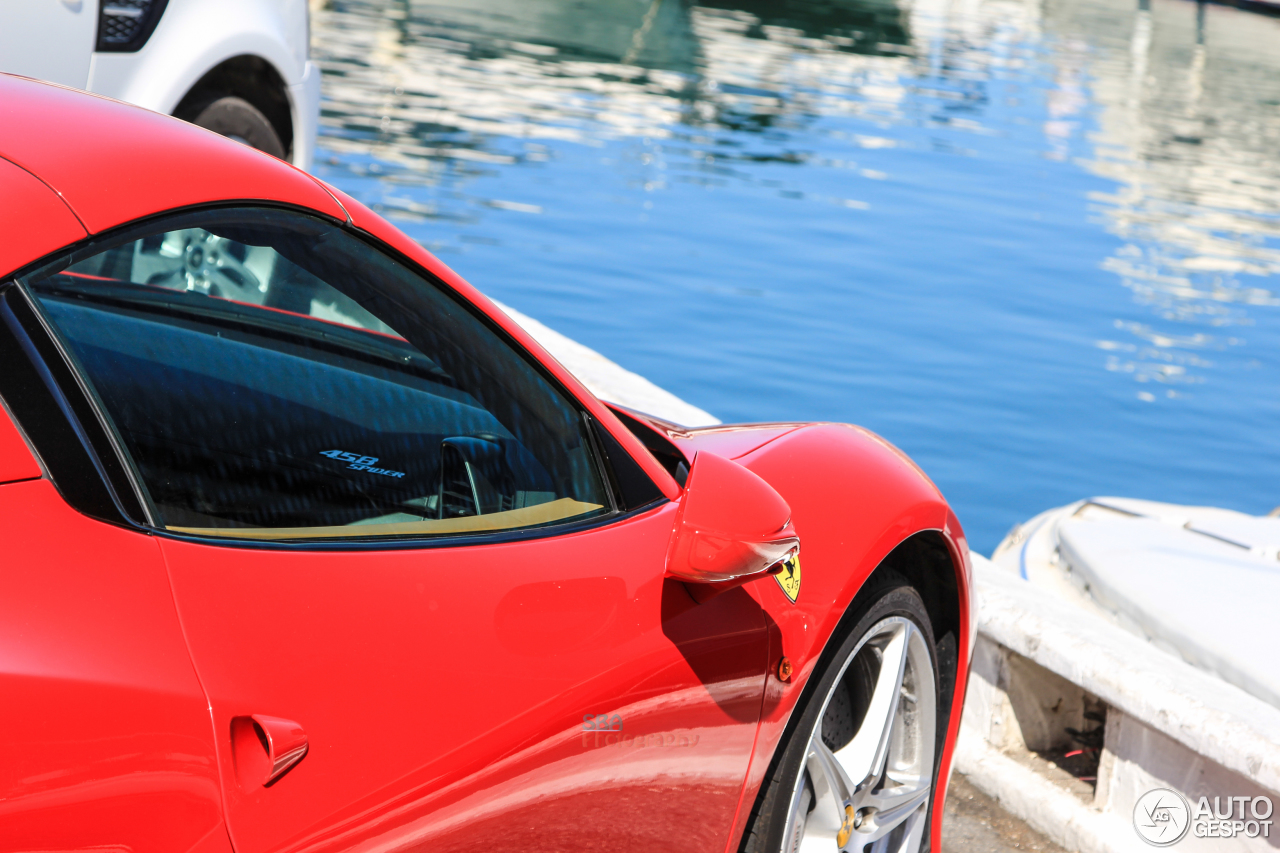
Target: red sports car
[[307, 546]]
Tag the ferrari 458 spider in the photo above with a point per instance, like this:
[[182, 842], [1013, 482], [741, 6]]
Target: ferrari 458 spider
[[308, 547]]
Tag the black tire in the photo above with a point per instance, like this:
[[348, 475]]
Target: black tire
[[240, 120], [768, 827]]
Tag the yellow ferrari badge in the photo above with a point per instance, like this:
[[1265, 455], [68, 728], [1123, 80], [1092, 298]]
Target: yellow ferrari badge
[[850, 824], [789, 578]]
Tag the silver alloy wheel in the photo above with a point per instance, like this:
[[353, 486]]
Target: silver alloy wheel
[[201, 262], [207, 264], [871, 792]]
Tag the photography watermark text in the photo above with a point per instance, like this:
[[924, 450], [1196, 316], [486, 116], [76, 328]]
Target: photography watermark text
[[1163, 817]]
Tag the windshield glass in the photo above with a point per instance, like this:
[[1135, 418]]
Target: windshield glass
[[272, 376]]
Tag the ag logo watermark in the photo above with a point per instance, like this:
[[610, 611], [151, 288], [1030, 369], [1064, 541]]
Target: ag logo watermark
[[1163, 817]]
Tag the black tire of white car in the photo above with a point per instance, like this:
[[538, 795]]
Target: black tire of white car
[[240, 120], [881, 794]]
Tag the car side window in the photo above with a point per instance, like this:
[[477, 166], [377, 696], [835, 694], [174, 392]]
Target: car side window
[[273, 376]]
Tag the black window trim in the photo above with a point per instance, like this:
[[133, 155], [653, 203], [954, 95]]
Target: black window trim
[[604, 469], [99, 434], [668, 455], [125, 482], [68, 447]]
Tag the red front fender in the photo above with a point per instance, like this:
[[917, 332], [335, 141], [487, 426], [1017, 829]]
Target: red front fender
[[854, 498]]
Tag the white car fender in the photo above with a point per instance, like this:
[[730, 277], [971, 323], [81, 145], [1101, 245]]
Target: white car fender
[[304, 101], [193, 37]]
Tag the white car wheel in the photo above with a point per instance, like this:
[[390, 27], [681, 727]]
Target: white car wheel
[[240, 120]]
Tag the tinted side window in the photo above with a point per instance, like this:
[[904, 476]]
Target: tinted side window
[[273, 376]]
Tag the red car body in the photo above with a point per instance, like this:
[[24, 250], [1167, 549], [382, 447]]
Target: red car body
[[453, 698]]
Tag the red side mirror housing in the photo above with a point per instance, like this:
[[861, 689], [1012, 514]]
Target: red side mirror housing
[[732, 528]]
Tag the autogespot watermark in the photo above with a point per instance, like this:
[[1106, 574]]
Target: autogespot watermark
[[1163, 817], [601, 730]]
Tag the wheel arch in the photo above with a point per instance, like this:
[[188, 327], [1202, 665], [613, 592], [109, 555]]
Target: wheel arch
[[924, 561], [243, 76]]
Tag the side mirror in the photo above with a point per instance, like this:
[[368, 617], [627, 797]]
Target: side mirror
[[732, 528]]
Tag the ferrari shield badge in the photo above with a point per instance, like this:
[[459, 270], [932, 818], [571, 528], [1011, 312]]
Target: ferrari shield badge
[[789, 578]]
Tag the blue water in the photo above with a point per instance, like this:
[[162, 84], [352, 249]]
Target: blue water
[[1032, 244]]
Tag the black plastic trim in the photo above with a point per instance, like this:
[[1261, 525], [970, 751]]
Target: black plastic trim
[[252, 79], [603, 468], [635, 488], [666, 453], [32, 385], [150, 17]]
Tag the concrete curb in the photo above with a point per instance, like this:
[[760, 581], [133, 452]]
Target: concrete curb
[[610, 381], [1205, 714], [1041, 663], [1043, 805]]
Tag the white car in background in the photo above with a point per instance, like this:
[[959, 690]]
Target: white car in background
[[237, 67]]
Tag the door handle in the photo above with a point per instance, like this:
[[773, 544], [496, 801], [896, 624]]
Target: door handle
[[265, 748]]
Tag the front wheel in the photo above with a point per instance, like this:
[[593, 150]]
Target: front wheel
[[857, 772]]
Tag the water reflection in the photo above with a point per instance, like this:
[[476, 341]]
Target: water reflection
[[1020, 220], [462, 75], [1187, 96]]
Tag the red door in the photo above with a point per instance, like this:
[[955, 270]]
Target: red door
[[105, 741], [553, 694]]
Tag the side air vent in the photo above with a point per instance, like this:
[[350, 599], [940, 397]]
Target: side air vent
[[125, 25]]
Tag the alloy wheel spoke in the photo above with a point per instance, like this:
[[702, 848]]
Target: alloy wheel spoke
[[872, 794], [174, 244], [885, 811], [864, 757], [837, 779], [832, 789], [174, 279]]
